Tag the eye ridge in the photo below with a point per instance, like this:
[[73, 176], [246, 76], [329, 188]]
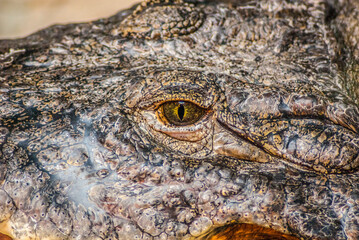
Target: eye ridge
[[181, 113]]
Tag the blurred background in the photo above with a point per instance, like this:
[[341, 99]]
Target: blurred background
[[19, 18]]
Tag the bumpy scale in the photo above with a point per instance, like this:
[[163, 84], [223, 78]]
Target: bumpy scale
[[184, 120]]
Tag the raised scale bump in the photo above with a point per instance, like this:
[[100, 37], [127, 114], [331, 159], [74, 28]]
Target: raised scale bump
[[161, 19]]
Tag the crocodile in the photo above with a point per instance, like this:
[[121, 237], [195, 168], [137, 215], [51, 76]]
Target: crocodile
[[184, 119]]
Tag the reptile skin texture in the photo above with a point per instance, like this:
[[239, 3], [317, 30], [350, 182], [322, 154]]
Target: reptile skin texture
[[184, 119]]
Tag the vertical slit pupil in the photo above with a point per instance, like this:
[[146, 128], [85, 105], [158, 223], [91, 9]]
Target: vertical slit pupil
[[181, 112]]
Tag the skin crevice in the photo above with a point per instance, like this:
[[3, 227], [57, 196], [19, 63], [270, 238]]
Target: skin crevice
[[270, 150]]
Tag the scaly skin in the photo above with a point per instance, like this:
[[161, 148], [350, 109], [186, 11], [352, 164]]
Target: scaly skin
[[86, 153]]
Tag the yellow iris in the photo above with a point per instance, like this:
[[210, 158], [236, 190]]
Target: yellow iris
[[182, 113]]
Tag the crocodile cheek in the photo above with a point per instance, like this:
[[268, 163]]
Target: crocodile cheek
[[306, 143], [225, 144]]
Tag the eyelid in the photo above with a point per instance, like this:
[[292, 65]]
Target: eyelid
[[190, 133], [157, 105], [204, 98]]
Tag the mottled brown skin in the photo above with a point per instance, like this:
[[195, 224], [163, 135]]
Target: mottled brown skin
[[86, 151]]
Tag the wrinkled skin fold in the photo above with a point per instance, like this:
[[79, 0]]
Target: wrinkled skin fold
[[184, 120]]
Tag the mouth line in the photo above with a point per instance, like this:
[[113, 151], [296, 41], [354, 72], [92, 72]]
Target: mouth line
[[245, 231], [225, 126]]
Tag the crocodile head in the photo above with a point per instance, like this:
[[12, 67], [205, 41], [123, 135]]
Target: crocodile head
[[184, 120]]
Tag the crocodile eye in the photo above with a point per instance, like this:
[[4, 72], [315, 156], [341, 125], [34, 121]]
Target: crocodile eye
[[181, 113]]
